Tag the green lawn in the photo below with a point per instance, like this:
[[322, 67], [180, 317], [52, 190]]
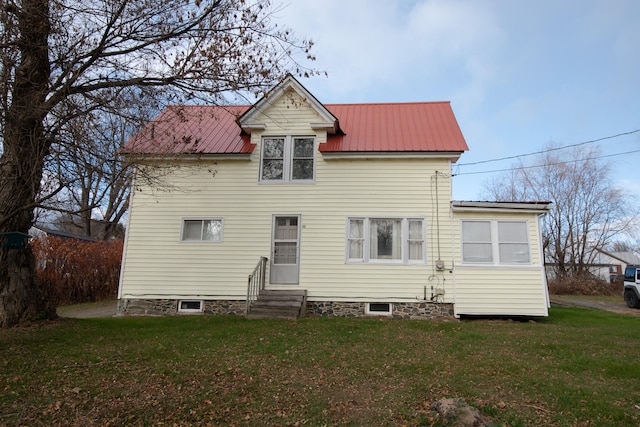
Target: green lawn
[[579, 367]]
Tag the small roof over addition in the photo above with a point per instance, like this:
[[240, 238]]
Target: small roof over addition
[[524, 206]]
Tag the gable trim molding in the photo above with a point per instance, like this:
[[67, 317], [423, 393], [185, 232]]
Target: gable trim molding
[[247, 121]]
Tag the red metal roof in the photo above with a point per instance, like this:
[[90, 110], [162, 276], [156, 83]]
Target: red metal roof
[[193, 129], [384, 127], [395, 127]]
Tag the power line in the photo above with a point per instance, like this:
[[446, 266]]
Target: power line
[[548, 164], [547, 150]]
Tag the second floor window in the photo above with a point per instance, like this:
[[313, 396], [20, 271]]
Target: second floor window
[[287, 159]]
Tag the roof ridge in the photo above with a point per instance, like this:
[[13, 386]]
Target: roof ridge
[[391, 103], [328, 103], [207, 105]]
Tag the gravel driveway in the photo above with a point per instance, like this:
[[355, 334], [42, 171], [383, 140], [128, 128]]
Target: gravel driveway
[[89, 310]]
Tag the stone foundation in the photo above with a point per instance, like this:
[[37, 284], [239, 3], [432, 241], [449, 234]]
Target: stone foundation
[[169, 307], [400, 310]]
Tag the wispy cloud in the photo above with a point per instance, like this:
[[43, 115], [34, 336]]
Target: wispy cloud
[[396, 51], [519, 74]]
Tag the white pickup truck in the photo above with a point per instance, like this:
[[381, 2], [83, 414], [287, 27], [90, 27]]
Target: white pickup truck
[[631, 291]]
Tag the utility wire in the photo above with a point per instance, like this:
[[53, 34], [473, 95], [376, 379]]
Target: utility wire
[[549, 164], [547, 151]]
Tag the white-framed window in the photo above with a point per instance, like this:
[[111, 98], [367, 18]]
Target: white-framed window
[[287, 159], [378, 309], [201, 230], [495, 242], [190, 306], [513, 242], [476, 241], [386, 240]]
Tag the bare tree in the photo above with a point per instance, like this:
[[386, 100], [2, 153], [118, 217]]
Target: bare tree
[[86, 160], [64, 59], [622, 246], [588, 211]]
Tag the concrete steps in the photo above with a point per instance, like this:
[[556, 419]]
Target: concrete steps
[[280, 304]]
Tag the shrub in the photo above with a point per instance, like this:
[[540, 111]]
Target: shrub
[[583, 285], [73, 271]]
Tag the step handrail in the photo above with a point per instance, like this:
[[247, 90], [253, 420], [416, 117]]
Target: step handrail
[[256, 282]]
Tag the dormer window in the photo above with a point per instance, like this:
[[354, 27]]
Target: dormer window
[[287, 159]]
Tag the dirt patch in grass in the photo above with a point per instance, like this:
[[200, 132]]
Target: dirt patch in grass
[[612, 304], [89, 310]]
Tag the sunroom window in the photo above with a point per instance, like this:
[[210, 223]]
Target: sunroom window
[[513, 242], [495, 242], [476, 241], [287, 159]]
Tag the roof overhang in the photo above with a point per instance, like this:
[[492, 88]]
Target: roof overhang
[[538, 207], [248, 127], [335, 155], [141, 157], [328, 126]]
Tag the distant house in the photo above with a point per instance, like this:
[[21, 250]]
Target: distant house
[[46, 254], [613, 264], [98, 229], [39, 231], [602, 264], [347, 205]]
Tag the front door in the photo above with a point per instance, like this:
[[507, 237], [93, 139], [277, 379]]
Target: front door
[[285, 250]]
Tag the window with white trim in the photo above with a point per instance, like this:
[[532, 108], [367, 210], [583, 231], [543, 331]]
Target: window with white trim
[[392, 240], [495, 242], [190, 306], [201, 230], [378, 309], [513, 242], [287, 159], [476, 241]]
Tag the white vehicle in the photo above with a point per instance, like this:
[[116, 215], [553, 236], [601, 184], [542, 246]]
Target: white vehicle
[[632, 286]]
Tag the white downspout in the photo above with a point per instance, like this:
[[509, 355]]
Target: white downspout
[[542, 262]]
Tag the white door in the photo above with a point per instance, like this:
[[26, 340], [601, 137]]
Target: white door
[[285, 250]]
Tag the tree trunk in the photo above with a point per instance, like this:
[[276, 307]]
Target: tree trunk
[[20, 296], [25, 148]]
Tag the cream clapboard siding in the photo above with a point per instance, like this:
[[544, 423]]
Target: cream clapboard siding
[[158, 265], [500, 289]]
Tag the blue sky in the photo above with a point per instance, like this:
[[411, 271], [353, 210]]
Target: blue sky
[[519, 74]]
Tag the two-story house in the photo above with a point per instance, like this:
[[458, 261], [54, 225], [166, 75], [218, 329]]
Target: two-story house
[[348, 205]]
